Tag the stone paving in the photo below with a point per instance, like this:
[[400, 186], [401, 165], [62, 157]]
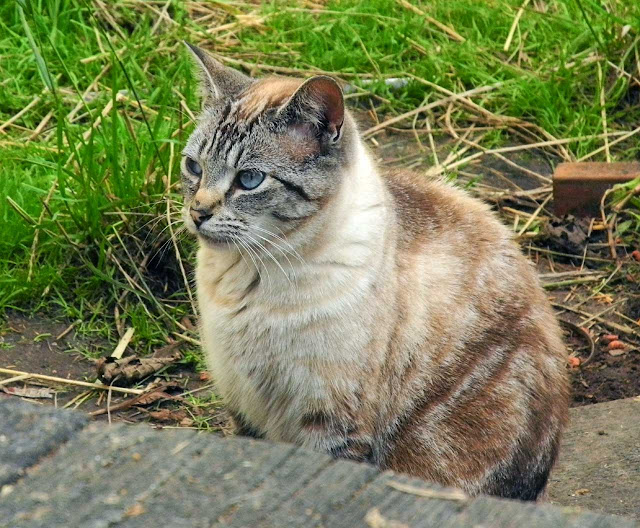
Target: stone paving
[[599, 466], [59, 470]]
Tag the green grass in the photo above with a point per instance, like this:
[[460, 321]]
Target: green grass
[[83, 206]]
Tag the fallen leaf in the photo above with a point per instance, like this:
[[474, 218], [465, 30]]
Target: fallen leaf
[[167, 415], [146, 399], [582, 491], [569, 234], [636, 255], [610, 337], [573, 361], [143, 399], [29, 392], [132, 368], [204, 376], [166, 351]]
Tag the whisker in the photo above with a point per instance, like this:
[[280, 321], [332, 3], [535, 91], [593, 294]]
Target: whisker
[[281, 250], [239, 251], [252, 250], [269, 255], [292, 251], [284, 239], [250, 253]]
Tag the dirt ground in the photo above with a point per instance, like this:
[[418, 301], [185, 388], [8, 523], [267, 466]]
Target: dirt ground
[[590, 317], [35, 345]]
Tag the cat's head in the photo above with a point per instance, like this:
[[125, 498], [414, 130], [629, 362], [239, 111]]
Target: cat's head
[[266, 155]]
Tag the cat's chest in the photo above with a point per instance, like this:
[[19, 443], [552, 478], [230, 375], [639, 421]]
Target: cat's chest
[[264, 367], [273, 353]]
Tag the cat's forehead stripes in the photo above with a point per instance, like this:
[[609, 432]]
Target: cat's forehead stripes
[[237, 118]]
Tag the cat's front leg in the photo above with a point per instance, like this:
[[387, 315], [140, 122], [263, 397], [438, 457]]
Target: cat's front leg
[[341, 438]]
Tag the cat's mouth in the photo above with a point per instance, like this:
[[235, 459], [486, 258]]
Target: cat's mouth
[[216, 239]]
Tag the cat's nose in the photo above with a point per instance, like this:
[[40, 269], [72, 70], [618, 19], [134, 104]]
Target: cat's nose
[[199, 216]]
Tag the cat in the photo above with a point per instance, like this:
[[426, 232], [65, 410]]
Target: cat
[[378, 317]]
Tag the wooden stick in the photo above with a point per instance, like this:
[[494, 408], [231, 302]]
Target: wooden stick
[[534, 215], [452, 495], [97, 386], [615, 326], [187, 339], [15, 378], [122, 344]]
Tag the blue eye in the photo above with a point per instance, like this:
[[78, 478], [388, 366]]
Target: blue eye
[[194, 167], [249, 179]]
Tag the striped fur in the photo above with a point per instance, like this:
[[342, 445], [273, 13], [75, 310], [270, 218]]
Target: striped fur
[[380, 317]]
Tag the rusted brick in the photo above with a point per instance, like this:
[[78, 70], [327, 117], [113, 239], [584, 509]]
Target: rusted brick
[[579, 187]]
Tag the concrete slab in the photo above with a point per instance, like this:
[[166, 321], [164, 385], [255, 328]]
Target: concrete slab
[[599, 465], [134, 476], [30, 432]]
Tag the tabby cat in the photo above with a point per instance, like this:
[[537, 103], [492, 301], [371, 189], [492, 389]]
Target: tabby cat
[[376, 316]]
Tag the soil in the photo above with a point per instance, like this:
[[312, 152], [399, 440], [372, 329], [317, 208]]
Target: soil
[[606, 378], [33, 345]]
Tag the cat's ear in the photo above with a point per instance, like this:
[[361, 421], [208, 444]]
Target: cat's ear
[[317, 107], [218, 81]]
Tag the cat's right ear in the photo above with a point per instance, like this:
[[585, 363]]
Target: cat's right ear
[[317, 109], [217, 81]]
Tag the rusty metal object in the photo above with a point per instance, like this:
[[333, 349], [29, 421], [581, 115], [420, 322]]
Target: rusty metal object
[[579, 187]]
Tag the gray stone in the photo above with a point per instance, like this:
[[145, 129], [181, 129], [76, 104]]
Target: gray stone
[[599, 465], [133, 476], [29, 432]]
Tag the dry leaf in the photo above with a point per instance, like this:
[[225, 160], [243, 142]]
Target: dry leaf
[[167, 415], [151, 397], [569, 234], [29, 392], [604, 298], [132, 368], [636, 255], [167, 350], [610, 337]]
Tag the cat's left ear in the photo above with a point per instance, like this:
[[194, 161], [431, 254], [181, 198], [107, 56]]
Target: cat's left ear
[[218, 81], [317, 107]]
